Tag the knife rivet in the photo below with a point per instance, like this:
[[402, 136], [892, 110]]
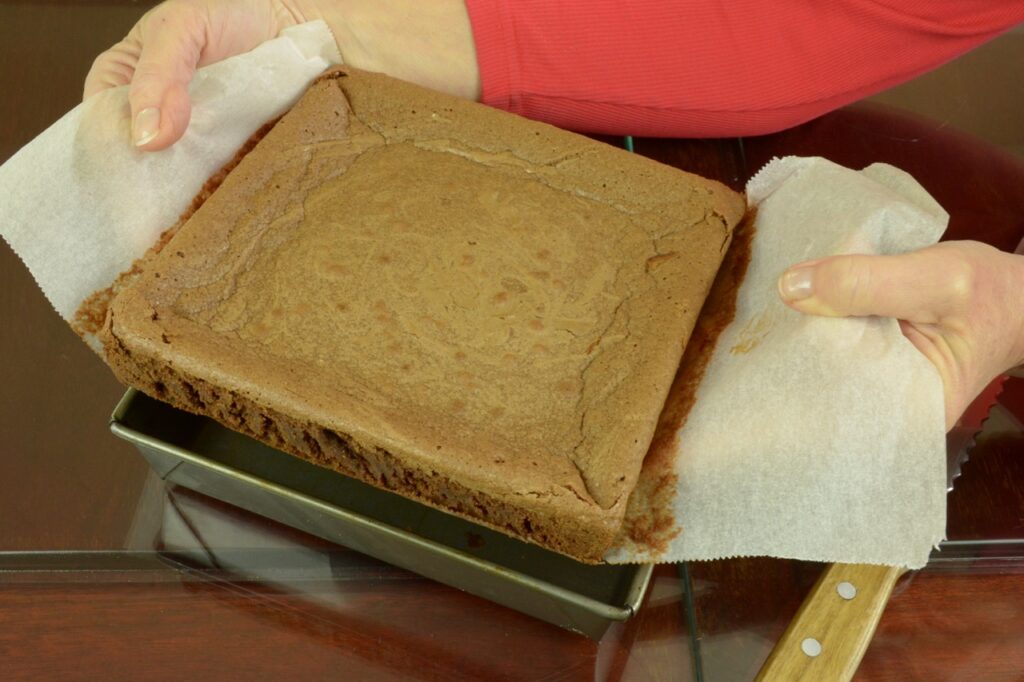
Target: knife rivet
[[846, 590], [811, 647]]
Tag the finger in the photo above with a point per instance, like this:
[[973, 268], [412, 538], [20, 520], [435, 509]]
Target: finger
[[112, 68], [926, 286], [172, 38]]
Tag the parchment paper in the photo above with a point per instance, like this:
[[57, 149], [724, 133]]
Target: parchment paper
[[824, 441], [814, 438], [80, 203]]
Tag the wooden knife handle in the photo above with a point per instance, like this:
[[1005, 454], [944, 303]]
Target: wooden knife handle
[[832, 629]]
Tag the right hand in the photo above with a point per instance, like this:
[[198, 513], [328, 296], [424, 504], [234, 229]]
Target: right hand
[[958, 302], [163, 50]]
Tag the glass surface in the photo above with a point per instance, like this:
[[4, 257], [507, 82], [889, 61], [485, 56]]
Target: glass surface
[[105, 571]]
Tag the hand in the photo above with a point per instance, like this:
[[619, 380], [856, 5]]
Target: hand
[[429, 43], [960, 303], [162, 51]]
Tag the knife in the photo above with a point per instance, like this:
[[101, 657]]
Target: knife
[[830, 633]]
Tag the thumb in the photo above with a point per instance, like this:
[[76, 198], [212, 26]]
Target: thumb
[[913, 286], [172, 41]]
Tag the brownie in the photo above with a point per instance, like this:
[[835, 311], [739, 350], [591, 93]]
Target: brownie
[[462, 306]]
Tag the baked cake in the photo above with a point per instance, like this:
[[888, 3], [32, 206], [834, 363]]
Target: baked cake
[[457, 304]]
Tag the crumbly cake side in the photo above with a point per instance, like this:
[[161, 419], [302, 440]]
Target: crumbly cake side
[[584, 534], [481, 312]]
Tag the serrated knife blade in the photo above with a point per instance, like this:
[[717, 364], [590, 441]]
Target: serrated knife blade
[[961, 438], [959, 443]]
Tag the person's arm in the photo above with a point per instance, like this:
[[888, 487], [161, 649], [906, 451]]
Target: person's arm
[[428, 42], [672, 68], [713, 68]]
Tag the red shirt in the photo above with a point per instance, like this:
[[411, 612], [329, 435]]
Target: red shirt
[[707, 68]]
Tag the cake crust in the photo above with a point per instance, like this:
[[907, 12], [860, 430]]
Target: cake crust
[[447, 301]]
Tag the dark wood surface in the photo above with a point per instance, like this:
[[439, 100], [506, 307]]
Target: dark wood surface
[[66, 484], [204, 629]]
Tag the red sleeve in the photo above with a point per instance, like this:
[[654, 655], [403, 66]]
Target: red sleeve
[[707, 68]]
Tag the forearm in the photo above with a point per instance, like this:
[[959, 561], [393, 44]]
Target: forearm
[[425, 42]]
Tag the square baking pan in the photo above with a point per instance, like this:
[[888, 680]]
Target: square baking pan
[[201, 455]]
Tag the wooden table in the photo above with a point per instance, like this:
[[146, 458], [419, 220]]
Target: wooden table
[[84, 593]]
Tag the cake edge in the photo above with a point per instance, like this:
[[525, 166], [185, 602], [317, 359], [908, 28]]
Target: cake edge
[[326, 448]]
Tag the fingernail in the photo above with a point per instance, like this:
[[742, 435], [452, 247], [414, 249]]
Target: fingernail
[[147, 126], [796, 284]]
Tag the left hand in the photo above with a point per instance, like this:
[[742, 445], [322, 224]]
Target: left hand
[[960, 303]]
